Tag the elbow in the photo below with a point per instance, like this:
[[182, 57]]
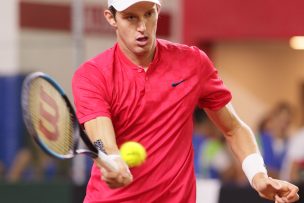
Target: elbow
[[237, 127]]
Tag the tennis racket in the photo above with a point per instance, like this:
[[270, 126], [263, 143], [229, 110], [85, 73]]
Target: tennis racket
[[51, 120]]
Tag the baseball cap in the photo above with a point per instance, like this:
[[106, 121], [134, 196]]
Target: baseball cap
[[121, 5]]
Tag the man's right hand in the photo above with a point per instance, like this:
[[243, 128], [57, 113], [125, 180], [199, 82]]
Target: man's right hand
[[117, 179]]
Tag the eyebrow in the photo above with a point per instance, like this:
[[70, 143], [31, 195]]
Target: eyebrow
[[124, 13], [150, 10]]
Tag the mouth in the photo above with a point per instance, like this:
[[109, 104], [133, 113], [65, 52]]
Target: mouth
[[142, 41]]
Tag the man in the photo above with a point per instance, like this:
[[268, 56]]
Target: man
[[145, 89]]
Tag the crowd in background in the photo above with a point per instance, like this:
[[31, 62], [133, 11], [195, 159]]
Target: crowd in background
[[212, 158], [283, 153], [31, 164]]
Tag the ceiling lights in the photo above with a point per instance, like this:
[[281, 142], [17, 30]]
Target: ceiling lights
[[297, 42]]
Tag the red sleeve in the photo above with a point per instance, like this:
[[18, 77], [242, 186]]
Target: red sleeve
[[90, 91], [213, 93]]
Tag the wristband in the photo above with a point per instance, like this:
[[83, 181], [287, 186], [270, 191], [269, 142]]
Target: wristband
[[114, 156], [252, 165]]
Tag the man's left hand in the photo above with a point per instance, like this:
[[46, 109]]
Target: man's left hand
[[273, 189]]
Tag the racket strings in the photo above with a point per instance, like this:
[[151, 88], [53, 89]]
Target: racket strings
[[51, 117]]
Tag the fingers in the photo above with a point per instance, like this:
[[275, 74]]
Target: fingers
[[120, 178], [279, 199], [286, 193], [294, 198], [115, 179], [277, 190], [293, 194]]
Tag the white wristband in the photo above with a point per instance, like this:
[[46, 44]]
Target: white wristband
[[114, 156], [252, 165]]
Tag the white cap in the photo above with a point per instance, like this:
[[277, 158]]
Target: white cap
[[121, 5]]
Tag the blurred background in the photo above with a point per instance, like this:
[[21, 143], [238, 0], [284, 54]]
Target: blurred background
[[257, 46]]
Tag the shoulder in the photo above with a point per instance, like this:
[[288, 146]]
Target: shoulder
[[101, 64], [189, 58], [177, 48]]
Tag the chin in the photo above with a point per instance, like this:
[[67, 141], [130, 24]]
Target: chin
[[142, 50]]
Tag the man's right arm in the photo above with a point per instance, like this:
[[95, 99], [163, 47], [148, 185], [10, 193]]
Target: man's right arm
[[100, 130]]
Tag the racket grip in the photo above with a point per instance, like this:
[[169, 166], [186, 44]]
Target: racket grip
[[107, 162]]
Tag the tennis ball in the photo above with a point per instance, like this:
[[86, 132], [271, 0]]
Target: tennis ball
[[133, 153]]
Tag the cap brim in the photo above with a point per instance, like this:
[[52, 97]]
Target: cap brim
[[123, 5]]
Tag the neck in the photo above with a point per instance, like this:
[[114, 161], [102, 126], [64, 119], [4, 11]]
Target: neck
[[141, 59]]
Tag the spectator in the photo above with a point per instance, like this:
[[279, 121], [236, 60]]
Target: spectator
[[31, 164], [293, 168], [273, 137], [211, 158]]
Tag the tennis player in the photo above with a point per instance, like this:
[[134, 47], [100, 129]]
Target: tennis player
[[145, 89]]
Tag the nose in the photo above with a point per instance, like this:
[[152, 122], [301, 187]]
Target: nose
[[141, 26]]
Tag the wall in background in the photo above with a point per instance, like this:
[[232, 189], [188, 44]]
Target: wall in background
[[9, 35], [260, 74], [235, 19]]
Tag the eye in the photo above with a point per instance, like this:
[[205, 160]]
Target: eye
[[131, 18], [149, 14]]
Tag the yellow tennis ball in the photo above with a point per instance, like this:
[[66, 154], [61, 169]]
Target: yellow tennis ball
[[133, 153]]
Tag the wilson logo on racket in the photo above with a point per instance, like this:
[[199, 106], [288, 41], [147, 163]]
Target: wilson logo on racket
[[48, 110]]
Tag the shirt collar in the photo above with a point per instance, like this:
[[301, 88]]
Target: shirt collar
[[129, 63]]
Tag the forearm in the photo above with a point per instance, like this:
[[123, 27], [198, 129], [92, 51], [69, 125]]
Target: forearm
[[102, 129], [238, 135], [242, 141]]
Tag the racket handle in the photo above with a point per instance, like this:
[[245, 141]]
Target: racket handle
[[106, 161]]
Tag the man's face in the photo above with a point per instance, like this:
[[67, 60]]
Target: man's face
[[136, 28]]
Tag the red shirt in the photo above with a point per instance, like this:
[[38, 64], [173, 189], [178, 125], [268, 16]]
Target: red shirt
[[154, 108]]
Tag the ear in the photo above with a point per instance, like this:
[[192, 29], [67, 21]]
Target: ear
[[110, 18], [158, 9]]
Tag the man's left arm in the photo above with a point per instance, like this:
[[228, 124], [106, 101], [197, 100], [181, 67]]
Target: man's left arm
[[241, 139]]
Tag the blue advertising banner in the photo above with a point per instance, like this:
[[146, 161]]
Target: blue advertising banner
[[12, 128]]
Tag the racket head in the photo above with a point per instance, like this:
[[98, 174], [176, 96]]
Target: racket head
[[50, 117]]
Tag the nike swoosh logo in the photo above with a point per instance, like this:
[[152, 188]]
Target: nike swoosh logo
[[174, 84]]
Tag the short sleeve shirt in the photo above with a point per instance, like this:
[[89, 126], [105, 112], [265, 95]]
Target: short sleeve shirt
[[154, 108]]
